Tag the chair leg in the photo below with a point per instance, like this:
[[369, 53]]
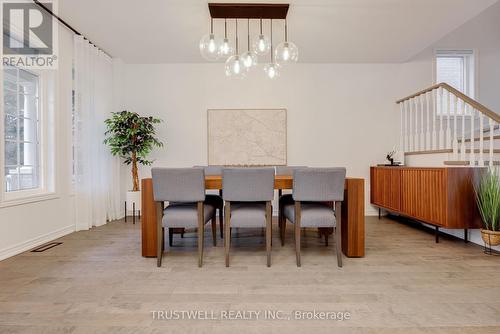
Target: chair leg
[[227, 232], [283, 230], [163, 238], [269, 213], [338, 233], [214, 231], [159, 233], [326, 239], [221, 222], [201, 232], [170, 236], [297, 232]]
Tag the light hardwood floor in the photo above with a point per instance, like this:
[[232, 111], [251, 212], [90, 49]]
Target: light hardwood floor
[[97, 282]]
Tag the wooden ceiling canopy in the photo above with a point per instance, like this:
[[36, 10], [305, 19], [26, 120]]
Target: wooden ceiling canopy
[[248, 11]]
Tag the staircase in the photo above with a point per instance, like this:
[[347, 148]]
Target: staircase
[[442, 126]]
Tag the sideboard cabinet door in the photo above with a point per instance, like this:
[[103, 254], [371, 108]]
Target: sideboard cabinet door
[[424, 194], [386, 187]]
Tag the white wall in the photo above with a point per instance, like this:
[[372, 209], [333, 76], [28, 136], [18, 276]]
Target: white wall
[[25, 226], [482, 34], [338, 114]]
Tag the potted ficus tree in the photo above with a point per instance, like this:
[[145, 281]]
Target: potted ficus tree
[[132, 137], [488, 202]]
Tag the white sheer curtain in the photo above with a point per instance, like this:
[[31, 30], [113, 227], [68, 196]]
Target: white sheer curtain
[[97, 187]]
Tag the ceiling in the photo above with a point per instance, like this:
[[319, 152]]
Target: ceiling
[[326, 31]]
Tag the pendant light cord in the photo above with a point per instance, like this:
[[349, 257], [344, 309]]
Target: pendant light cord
[[286, 31], [248, 35], [237, 52], [225, 28], [272, 57], [211, 26]]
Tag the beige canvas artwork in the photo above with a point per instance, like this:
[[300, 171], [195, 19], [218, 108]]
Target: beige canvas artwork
[[247, 137]]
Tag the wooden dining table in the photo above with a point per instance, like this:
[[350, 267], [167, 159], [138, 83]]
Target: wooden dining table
[[353, 213]]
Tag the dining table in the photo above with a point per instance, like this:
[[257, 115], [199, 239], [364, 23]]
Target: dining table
[[353, 213]]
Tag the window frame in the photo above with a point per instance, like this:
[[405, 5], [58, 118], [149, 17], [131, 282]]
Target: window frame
[[46, 186]]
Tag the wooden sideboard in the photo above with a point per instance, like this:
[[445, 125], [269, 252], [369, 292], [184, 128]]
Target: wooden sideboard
[[443, 197], [353, 213]]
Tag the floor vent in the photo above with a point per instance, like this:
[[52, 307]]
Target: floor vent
[[45, 247]]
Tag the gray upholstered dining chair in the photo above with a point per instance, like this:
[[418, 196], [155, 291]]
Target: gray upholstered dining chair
[[248, 193], [214, 199], [313, 189], [284, 199], [184, 189]]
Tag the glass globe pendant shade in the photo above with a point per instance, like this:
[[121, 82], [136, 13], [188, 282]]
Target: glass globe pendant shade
[[249, 59], [209, 47], [261, 45], [272, 70], [226, 49], [286, 53], [235, 67]]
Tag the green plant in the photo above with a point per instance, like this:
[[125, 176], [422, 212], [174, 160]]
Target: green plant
[[132, 138], [488, 199]]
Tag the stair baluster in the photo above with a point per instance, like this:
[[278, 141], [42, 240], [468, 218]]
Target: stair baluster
[[481, 140], [492, 128], [441, 112], [422, 128], [417, 131], [472, 157], [401, 136], [448, 125], [455, 128], [410, 118], [462, 146], [407, 135], [428, 132], [433, 101]]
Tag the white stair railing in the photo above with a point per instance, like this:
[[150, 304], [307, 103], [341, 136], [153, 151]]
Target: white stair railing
[[437, 119]]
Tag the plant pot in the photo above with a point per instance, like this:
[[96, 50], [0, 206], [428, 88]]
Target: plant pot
[[133, 199], [491, 238]]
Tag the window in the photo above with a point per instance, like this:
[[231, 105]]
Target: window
[[22, 130], [456, 68]]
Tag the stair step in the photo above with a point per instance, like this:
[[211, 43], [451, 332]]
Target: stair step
[[457, 163], [429, 152], [478, 139], [487, 151], [467, 163], [468, 151]]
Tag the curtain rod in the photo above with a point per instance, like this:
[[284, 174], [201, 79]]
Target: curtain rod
[[38, 3]]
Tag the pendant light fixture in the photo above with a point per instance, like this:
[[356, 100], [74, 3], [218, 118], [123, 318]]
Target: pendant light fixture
[[271, 69], [286, 52], [249, 57], [234, 64], [226, 50], [261, 44], [209, 44]]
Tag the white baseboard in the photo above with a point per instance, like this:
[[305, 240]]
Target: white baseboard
[[29, 244]]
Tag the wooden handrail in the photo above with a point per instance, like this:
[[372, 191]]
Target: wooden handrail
[[473, 103]]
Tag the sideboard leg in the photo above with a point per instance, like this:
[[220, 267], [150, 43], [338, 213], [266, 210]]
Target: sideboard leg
[[379, 213], [466, 235], [133, 213], [437, 234]]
